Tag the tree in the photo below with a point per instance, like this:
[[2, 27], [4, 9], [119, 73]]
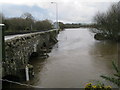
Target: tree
[[61, 25], [43, 25], [29, 20], [27, 16], [24, 24], [109, 23], [15, 24]]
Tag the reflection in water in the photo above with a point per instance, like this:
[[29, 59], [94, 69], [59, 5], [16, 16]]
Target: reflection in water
[[76, 59]]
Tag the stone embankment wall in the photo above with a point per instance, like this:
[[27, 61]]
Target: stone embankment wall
[[18, 51]]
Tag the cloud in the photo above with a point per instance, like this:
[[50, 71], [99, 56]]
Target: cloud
[[81, 11], [68, 10], [11, 10], [32, 2]]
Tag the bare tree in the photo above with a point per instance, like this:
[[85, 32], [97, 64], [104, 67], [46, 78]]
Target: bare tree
[[109, 23], [27, 16], [29, 20]]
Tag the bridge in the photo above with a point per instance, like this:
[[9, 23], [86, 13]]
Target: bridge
[[18, 51]]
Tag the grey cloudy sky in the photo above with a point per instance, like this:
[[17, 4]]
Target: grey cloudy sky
[[70, 11]]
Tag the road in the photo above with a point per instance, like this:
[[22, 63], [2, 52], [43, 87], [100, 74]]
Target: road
[[18, 35], [13, 36]]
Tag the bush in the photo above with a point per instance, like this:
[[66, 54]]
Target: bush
[[116, 78], [43, 25], [109, 23], [25, 23], [98, 86]]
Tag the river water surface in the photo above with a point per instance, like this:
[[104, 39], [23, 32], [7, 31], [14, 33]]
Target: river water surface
[[74, 61]]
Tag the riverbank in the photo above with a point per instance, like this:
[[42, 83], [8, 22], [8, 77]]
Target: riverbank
[[102, 36]]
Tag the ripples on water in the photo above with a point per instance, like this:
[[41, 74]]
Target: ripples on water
[[75, 60]]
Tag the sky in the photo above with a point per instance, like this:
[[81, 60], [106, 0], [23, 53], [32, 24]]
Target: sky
[[69, 11]]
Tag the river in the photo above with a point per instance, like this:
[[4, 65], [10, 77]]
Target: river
[[75, 60]]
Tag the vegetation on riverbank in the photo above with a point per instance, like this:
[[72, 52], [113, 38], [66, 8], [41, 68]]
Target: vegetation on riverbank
[[99, 86], [116, 78], [24, 24], [108, 24], [78, 25]]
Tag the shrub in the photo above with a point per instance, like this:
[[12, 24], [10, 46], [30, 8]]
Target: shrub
[[116, 78], [109, 23], [98, 86]]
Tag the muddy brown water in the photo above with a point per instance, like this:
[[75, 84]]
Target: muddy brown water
[[75, 60]]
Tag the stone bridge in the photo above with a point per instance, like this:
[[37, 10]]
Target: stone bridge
[[18, 51]]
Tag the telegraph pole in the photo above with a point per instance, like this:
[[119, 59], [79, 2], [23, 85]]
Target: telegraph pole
[[1, 52]]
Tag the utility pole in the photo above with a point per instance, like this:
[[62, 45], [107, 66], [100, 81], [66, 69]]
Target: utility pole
[[1, 52], [57, 23]]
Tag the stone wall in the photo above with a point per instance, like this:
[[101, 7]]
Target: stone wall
[[19, 49]]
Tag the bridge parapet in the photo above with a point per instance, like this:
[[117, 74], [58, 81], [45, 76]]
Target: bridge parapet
[[19, 49]]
